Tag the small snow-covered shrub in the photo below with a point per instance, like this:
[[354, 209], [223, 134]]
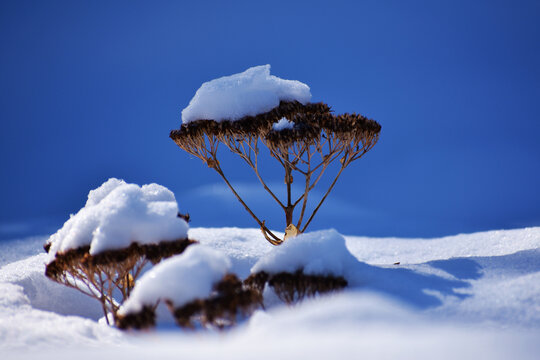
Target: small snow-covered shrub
[[229, 299], [293, 287], [196, 287], [103, 249], [244, 110], [307, 265]]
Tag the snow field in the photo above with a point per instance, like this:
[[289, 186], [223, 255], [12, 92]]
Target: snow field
[[466, 296]]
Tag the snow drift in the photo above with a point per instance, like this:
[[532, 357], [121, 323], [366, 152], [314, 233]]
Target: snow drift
[[466, 296]]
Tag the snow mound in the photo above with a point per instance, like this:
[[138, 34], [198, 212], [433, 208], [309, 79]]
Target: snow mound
[[117, 214], [416, 251], [365, 325], [249, 93], [283, 124], [12, 296], [181, 279], [22, 326], [244, 247], [17, 249], [316, 253], [44, 294]]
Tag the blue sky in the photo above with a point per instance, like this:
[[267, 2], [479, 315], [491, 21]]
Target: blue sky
[[90, 90]]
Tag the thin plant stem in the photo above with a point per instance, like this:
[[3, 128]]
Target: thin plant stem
[[274, 240], [324, 197]]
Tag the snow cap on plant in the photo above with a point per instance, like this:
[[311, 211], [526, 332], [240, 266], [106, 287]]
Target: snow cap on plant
[[118, 214], [247, 109], [123, 227], [180, 279], [249, 93], [195, 286]]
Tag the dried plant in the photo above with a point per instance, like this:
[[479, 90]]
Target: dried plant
[[229, 300], [109, 276], [317, 139], [294, 287], [144, 319]]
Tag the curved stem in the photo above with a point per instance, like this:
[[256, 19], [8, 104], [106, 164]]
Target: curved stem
[[273, 239], [288, 180], [324, 197], [269, 236], [254, 166], [306, 191], [256, 169]]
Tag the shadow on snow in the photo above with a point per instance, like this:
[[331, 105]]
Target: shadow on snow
[[424, 290]]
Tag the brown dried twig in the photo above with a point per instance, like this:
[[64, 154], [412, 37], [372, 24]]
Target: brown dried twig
[[109, 276], [229, 300], [317, 140], [294, 287]]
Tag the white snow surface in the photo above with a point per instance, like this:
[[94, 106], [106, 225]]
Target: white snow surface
[[117, 214], [316, 253], [283, 124], [470, 296], [251, 92], [180, 279]]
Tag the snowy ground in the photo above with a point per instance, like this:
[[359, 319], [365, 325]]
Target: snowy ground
[[464, 296]]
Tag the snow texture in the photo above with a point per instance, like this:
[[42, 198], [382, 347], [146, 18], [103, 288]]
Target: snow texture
[[44, 294], [117, 214], [414, 251], [180, 279], [283, 124], [22, 326], [490, 278], [251, 92], [471, 296], [18, 249], [316, 253]]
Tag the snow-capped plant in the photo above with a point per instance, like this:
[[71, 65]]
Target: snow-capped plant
[[195, 286], [314, 263], [251, 108], [102, 250]]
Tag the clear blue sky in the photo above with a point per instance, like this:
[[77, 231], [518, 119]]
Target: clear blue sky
[[90, 90]]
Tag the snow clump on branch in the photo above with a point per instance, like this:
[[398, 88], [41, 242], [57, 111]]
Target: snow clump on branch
[[315, 253], [118, 214], [179, 279], [249, 93], [283, 124]]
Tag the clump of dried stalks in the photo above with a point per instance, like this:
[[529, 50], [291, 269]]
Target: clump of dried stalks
[[294, 287], [229, 300], [317, 139], [109, 276]]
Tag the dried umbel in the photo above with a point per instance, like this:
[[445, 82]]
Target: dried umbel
[[109, 276], [229, 300], [306, 150], [294, 287], [144, 319]]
